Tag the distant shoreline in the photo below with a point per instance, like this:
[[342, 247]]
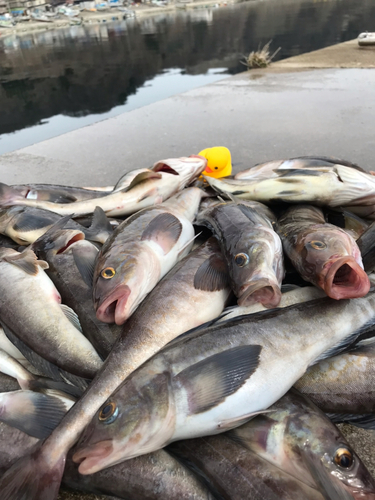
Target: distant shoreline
[[112, 15]]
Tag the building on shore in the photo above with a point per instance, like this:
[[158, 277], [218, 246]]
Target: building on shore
[[3, 7]]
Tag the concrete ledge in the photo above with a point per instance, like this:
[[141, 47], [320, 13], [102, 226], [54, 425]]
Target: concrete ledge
[[343, 55]]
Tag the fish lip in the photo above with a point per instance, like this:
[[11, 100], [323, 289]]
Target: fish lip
[[269, 293], [355, 284], [90, 457], [117, 299]]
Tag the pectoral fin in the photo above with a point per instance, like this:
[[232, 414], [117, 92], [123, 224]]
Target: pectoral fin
[[143, 176], [212, 275], [210, 381], [165, 229]]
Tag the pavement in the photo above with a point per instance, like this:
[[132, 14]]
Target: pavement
[[320, 103]]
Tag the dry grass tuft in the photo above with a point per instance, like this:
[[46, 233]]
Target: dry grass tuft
[[260, 58]]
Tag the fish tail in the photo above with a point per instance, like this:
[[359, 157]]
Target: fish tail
[[33, 477], [8, 195]]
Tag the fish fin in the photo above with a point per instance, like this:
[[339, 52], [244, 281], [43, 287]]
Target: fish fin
[[85, 262], [143, 176], [330, 487], [100, 228], [347, 343], [236, 422], [41, 384], [366, 421], [212, 274], [29, 222], [213, 379], [40, 414], [8, 195], [71, 316], [44, 366], [33, 477], [253, 215], [46, 238], [164, 229], [27, 261], [329, 160]]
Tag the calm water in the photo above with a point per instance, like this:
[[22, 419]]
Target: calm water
[[54, 82]]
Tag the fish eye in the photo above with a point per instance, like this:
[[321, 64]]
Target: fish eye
[[343, 458], [318, 245], [108, 413], [241, 259], [108, 273]]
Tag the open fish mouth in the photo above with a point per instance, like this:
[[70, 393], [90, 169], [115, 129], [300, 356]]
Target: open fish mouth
[[263, 291], [346, 279], [162, 166], [91, 457], [112, 309]]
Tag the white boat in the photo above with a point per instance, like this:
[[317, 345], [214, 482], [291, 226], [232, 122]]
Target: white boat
[[366, 39]]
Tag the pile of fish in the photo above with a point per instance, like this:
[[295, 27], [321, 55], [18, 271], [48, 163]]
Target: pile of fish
[[184, 337]]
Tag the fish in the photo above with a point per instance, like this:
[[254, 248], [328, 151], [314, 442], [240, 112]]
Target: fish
[[142, 478], [31, 311], [186, 202], [344, 383], [252, 249], [217, 378], [200, 276], [320, 182], [299, 439], [233, 472], [56, 194], [139, 253], [25, 225], [323, 254], [145, 190], [71, 261]]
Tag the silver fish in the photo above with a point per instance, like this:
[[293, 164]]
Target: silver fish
[[252, 249], [217, 378], [299, 439], [31, 310], [25, 224], [233, 472], [323, 254], [146, 189], [318, 182], [139, 253]]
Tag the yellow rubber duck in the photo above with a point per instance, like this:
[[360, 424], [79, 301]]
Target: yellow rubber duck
[[219, 162]]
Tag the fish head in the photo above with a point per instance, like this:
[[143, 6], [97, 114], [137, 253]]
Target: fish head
[[256, 269], [331, 461], [134, 421], [120, 278], [187, 168], [331, 259]]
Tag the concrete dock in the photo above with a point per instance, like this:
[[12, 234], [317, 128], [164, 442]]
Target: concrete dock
[[320, 103]]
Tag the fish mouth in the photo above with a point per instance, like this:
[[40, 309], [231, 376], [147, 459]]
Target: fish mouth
[[163, 166], [112, 309], [346, 279], [91, 457], [263, 291]]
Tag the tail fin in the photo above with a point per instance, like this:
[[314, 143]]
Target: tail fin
[[33, 477], [8, 195]]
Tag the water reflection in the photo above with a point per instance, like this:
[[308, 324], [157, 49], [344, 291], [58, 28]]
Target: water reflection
[[86, 73]]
